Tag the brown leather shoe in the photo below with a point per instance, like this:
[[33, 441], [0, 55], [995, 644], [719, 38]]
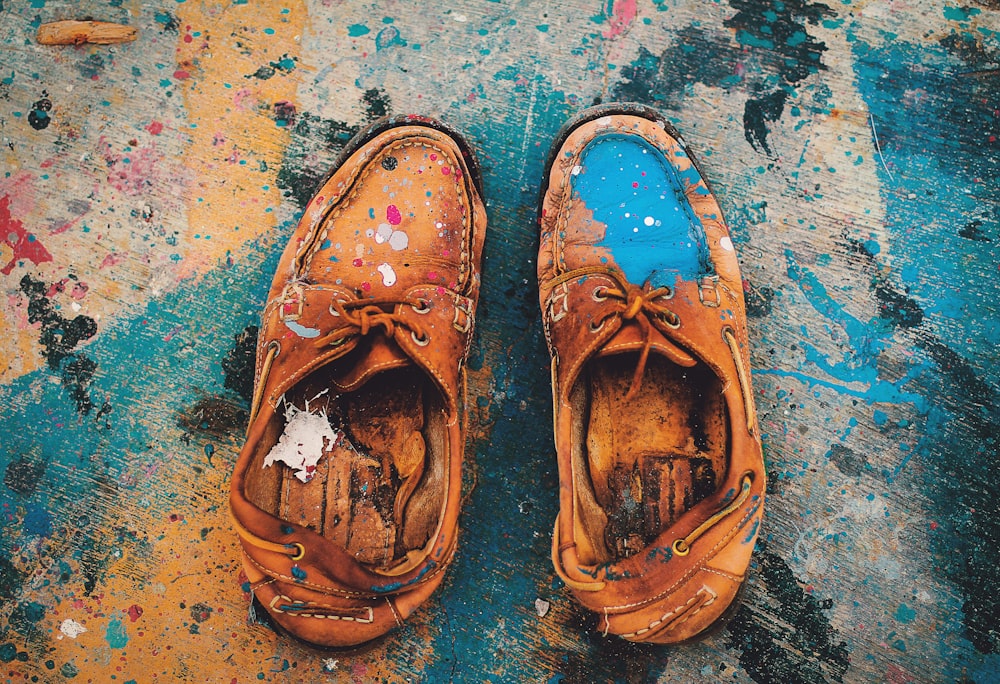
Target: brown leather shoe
[[660, 467], [346, 495]]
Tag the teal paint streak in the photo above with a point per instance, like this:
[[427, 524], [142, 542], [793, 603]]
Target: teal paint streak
[[651, 230], [357, 30]]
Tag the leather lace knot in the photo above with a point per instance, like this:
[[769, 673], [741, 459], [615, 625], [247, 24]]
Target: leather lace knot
[[358, 318], [628, 301]]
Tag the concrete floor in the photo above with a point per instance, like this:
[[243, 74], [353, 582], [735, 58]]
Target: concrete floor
[[147, 189]]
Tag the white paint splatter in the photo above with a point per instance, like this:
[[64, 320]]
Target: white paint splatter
[[383, 233], [542, 607], [388, 274], [576, 170], [726, 243], [305, 438], [649, 220], [72, 628], [399, 240]]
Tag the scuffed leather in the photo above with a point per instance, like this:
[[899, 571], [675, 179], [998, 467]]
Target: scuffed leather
[[654, 595], [327, 597]]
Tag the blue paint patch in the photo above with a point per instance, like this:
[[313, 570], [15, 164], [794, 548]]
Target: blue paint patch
[[651, 231], [298, 573], [116, 634], [37, 522], [301, 330]]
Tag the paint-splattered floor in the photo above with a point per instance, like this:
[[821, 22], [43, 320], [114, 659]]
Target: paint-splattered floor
[[146, 191]]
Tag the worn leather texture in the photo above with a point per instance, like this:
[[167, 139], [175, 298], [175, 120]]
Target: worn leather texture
[[673, 308], [379, 280]]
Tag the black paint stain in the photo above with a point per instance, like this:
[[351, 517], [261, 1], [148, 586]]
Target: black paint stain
[[661, 81], [25, 617], [896, 307], [39, 117], [775, 32], [59, 338], [169, 21], [284, 113], [759, 300], [973, 230], [758, 113], [23, 475], [214, 416], [786, 639], [238, 364], [315, 144], [847, 461], [92, 67], [271, 68], [10, 579]]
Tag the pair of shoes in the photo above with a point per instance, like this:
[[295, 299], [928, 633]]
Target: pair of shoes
[[346, 494]]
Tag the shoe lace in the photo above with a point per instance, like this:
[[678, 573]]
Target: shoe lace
[[629, 301], [360, 317]]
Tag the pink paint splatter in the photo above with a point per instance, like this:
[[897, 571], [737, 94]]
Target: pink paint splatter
[[623, 14], [24, 243], [112, 259], [134, 612], [392, 215], [445, 170], [358, 263], [181, 74]]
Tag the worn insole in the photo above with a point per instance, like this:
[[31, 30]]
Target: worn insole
[[364, 480], [655, 455]]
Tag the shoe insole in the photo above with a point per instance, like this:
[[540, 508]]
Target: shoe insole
[[371, 491], [655, 455]]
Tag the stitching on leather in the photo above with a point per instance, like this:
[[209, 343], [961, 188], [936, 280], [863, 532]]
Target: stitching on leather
[[357, 180], [347, 618], [687, 615], [723, 573], [697, 568], [395, 613], [312, 585]]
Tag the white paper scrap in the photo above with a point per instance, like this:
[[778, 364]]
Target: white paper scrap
[[306, 437]]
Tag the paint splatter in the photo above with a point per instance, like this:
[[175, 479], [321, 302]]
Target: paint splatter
[[38, 117], [24, 244], [59, 338], [116, 634], [71, 628], [388, 274]]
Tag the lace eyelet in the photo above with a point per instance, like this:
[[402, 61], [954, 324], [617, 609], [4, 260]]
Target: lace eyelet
[[596, 328], [420, 341], [600, 293], [673, 321], [274, 345], [333, 312], [300, 551], [421, 307], [681, 547], [669, 294]]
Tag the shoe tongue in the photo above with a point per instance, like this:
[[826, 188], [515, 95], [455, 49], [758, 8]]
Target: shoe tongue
[[631, 338], [374, 355]]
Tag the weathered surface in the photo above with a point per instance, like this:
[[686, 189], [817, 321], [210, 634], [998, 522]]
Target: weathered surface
[[146, 190]]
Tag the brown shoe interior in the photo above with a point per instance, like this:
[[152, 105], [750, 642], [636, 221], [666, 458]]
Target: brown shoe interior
[[650, 457], [378, 491]]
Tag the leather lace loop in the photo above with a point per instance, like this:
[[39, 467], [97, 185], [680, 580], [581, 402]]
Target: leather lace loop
[[361, 316]]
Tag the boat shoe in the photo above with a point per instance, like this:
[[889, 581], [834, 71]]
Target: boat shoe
[[660, 466], [346, 495]]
